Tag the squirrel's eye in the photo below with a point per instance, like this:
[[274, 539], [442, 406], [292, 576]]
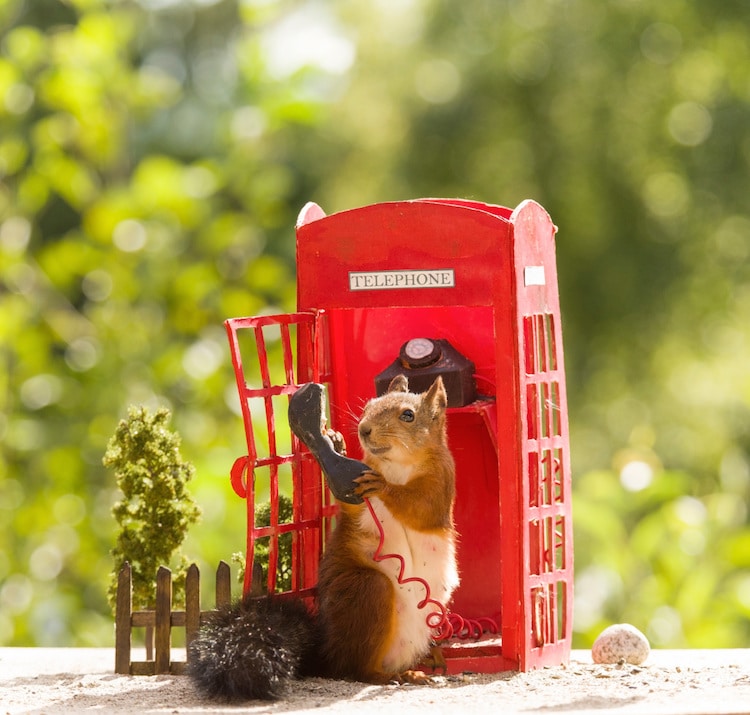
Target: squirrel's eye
[[407, 416]]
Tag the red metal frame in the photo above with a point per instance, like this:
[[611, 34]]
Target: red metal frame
[[313, 507], [499, 306]]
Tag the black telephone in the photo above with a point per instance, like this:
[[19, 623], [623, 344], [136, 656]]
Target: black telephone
[[421, 360]]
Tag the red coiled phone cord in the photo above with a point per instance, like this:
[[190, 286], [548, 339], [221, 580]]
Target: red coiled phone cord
[[444, 624]]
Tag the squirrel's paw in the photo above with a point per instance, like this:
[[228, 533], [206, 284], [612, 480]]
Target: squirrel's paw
[[370, 484], [415, 677], [436, 660], [339, 445]]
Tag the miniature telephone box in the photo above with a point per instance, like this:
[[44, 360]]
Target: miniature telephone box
[[394, 284]]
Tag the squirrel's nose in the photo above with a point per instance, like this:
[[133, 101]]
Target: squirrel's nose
[[365, 430]]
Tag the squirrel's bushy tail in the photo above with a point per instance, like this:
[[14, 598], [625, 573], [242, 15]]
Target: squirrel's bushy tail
[[252, 649]]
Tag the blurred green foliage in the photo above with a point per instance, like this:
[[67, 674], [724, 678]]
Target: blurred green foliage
[[154, 153]]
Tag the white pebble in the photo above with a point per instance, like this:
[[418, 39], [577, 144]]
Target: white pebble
[[621, 642]]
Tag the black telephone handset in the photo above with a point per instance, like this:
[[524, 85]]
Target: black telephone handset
[[306, 410]]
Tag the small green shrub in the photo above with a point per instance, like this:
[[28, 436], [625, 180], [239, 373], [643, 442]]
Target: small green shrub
[[156, 509], [262, 551]]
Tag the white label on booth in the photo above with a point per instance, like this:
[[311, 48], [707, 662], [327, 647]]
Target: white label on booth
[[394, 280], [534, 276]]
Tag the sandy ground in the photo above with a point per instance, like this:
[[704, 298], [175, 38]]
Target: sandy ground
[[48, 680]]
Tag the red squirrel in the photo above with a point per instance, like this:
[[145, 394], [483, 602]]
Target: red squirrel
[[367, 626]]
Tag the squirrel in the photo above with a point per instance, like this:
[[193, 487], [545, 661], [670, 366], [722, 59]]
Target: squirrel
[[367, 625]]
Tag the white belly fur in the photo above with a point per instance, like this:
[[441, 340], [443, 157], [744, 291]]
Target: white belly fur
[[427, 556]]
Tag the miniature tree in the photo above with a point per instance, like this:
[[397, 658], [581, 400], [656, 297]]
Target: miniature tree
[[156, 509], [262, 546], [262, 550]]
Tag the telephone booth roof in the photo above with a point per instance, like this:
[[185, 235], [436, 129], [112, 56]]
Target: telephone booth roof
[[361, 257]]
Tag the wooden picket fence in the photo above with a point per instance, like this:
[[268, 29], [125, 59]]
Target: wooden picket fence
[[160, 621]]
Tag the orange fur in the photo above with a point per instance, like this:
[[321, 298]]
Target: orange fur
[[365, 616]]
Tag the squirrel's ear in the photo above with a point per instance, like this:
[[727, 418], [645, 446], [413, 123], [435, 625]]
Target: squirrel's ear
[[436, 397], [399, 384]]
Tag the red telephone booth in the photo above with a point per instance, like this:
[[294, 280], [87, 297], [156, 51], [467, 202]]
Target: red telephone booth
[[484, 279]]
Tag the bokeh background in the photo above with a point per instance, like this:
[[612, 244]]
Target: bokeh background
[[154, 155]]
